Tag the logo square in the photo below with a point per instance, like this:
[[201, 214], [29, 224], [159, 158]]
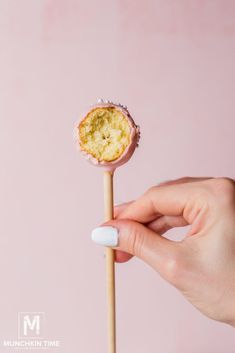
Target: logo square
[[31, 325]]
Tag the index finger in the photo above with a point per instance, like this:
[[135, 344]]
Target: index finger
[[168, 200]]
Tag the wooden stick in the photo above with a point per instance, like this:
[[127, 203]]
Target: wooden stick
[[110, 264]]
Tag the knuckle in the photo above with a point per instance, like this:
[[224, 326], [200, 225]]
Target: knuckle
[[150, 190], [226, 184], [174, 269], [135, 241], [224, 190], [149, 195]]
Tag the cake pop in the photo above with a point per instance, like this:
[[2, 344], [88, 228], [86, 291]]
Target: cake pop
[[107, 137]]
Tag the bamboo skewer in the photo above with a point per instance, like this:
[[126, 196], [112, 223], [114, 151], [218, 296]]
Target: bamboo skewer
[[110, 265]]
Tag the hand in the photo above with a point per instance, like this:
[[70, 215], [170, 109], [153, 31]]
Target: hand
[[202, 265]]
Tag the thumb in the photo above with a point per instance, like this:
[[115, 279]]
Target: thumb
[[136, 239]]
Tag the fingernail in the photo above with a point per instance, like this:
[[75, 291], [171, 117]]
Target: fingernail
[[107, 236]]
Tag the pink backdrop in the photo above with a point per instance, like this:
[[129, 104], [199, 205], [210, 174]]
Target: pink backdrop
[[172, 63]]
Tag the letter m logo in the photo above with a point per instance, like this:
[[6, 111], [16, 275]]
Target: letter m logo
[[30, 325]]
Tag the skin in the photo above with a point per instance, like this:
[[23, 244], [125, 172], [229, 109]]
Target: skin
[[202, 265]]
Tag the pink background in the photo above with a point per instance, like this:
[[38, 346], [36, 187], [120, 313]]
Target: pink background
[[172, 63]]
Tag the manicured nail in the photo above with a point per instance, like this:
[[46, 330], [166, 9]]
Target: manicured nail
[[107, 236]]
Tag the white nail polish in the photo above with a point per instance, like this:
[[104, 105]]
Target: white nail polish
[[107, 236]]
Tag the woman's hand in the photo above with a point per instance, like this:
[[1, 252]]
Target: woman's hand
[[202, 265]]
